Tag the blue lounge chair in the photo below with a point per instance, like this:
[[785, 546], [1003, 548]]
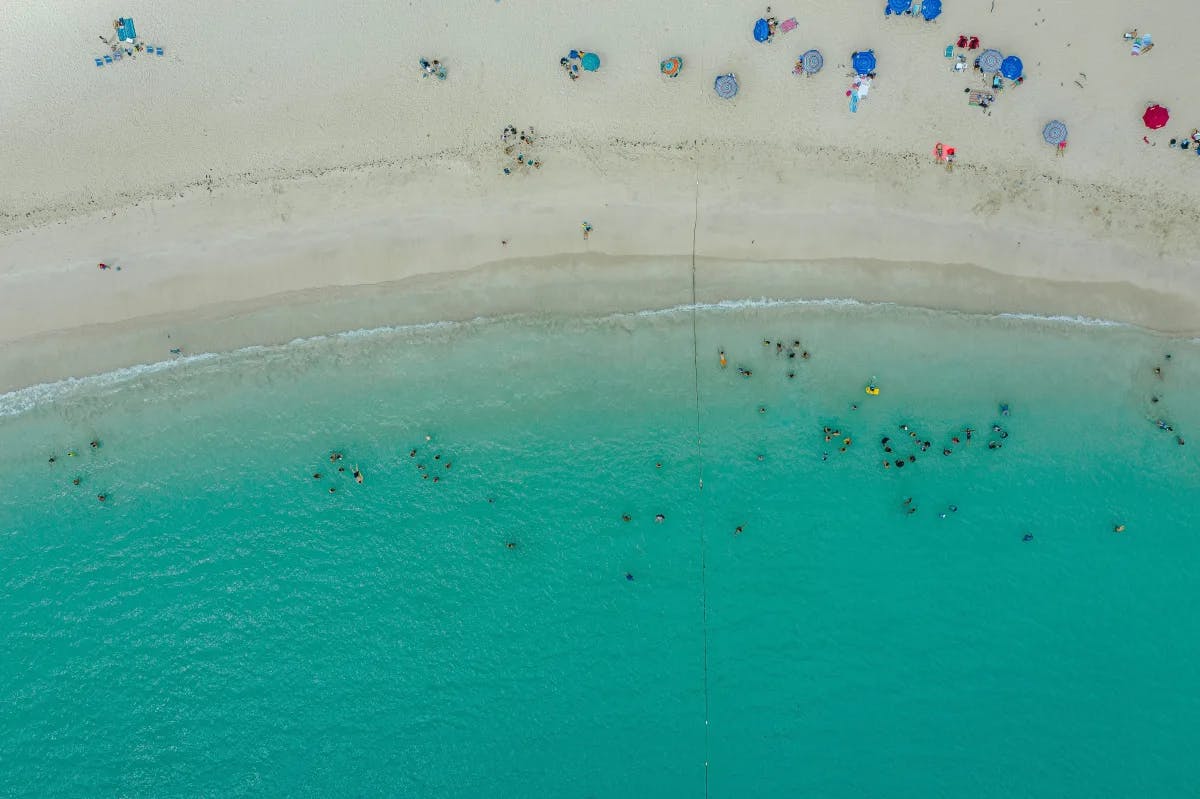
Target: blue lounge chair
[[99, 61], [108, 59], [158, 51]]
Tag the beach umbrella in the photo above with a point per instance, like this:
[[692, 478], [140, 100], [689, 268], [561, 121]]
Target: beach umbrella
[[1055, 132], [898, 6], [811, 62], [1011, 67], [762, 31], [671, 66], [1156, 116], [990, 60], [931, 9], [726, 86], [590, 61], [864, 61]]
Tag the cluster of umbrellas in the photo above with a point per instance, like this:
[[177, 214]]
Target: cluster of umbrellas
[[993, 61], [929, 9]]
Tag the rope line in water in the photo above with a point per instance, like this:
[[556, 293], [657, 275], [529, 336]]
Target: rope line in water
[[700, 469]]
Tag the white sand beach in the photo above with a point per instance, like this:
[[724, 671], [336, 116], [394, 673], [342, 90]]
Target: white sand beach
[[287, 172]]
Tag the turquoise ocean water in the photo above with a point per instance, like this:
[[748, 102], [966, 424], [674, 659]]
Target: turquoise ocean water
[[223, 625]]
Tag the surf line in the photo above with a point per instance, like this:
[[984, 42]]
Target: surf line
[[700, 466]]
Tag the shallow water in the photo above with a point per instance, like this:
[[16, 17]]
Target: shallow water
[[224, 625]]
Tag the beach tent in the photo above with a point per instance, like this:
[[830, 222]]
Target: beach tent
[[811, 62], [1156, 116], [898, 6], [762, 31], [931, 9], [726, 86], [590, 62], [1011, 67], [671, 66], [990, 60], [1055, 132], [864, 61]]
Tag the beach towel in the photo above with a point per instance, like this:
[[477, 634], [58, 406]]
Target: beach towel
[[1141, 44], [853, 102], [788, 25]]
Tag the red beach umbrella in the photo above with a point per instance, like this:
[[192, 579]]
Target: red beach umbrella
[[1155, 117]]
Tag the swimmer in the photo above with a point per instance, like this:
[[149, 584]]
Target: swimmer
[[737, 530], [796, 344], [625, 517], [436, 479], [1179, 440], [53, 459], [954, 509], [791, 375], [448, 464], [429, 438], [75, 482], [825, 457], [854, 406], [1118, 528], [420, 466], [1004, 434], [335, 457], [510, 544], [316, 475], [332, 490], [954, 440], [804, 355], [759, 457], [900, 464], [762, 409], [907, 501], [912, 458], [791, 355], [71, 453], [911, 511], [660, 518], [724, 363], [437, 457], [1154, 400], [341, 468], [94, 444], [994, 445], [941, 515], [491, 500], [1158, 372], [846, 440], [995, 428], [629, 576], [412, 453], [946, 450], [424, 476], [826, 430], [766, 342], [358, 478], [658, 465], [887, 464], [843, 449], [102, 497], [904, 427], [884, 441], [1027, 537], [1004, 409], [969, 432], [779, 348]]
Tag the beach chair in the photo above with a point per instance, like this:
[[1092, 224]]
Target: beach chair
[[99, 61], [108, 59], [158, 51]]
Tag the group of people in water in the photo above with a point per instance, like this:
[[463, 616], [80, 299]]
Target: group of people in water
[[77, 480], [1161, 422], [336, 459]]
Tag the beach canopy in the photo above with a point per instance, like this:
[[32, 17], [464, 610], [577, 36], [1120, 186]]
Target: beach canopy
[[898, 6], [811, 62], [726, 86], [671, 66], [762, 31], [1011, 67], [864, 61], [990, 60], [590, 61], [1055, 132], [931, 9], [1156, 116]]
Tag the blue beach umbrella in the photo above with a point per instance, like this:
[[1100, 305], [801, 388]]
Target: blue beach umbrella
[[590, 61], [726, 86], [762, 31], [1055, 132], [931, 9], [864, 61], [989, 60], [811, 62], [1012, 67], [898, 6]]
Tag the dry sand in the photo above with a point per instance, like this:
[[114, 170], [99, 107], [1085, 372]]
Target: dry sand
[[280, 174]]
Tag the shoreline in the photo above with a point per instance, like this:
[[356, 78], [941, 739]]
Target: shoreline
[[397, 245], [63, 358]]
